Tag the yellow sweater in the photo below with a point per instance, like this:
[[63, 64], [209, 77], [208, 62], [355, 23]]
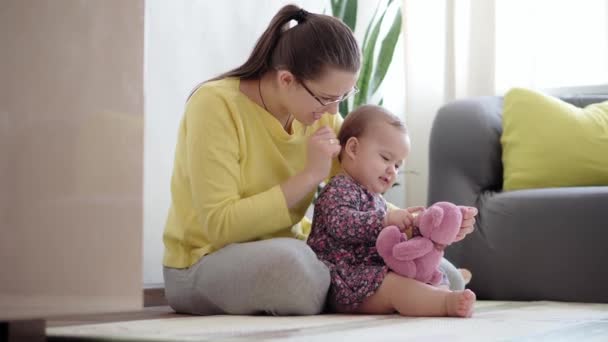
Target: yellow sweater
[[230, 159]]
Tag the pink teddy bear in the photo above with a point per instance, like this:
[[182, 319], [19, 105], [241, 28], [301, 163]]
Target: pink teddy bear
[[419, 257]]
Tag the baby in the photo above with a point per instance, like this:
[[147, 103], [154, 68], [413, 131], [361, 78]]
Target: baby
[[350, 213]]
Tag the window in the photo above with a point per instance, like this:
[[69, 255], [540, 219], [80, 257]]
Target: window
[[547, 44]]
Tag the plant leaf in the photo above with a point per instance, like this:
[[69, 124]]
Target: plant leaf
[[369, 27], [336, 6], [387, 50], [344, 110], [368, 64], [345, 10], [350, 13]]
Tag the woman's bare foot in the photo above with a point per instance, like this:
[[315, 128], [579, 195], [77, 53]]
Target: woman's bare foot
[[460, 303]]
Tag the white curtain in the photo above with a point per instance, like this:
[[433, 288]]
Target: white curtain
[[457, 49], [547, 44], [449, 53]]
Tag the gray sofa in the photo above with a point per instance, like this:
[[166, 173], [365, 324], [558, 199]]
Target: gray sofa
[[538, 244]]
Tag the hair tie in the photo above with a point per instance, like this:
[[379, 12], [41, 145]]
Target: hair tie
[[300, 15]]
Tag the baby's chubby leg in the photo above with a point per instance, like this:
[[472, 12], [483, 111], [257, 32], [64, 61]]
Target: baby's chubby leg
[[410, 297]]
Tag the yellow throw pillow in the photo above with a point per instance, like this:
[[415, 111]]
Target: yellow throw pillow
[[547, 142]]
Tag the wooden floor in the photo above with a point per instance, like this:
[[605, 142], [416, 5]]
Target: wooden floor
[[34, 329], [155, 306], [153, 312]]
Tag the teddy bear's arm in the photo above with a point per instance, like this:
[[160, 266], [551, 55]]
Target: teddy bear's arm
[[412, 248]]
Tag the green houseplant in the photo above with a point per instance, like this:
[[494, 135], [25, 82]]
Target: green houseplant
[[376, 58]]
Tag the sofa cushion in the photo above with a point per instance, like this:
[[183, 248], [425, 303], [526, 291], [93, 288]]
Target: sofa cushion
[[547, 142]]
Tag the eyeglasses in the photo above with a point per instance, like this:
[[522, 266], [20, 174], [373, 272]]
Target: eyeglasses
[[327, 103]]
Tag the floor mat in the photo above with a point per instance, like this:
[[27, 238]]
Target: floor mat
[[493, 320]]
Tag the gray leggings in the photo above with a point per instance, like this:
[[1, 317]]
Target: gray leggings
[[279, 276]]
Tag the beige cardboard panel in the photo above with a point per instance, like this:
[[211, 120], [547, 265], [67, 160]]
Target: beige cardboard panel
[[71, 156]]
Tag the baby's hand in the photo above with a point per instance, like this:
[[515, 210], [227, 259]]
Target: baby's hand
[[468, 222], [402, 218], [397, 218]]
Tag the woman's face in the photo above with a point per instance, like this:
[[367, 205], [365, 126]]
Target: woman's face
[[308, 100]]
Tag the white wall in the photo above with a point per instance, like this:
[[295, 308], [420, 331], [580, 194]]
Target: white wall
[[187, 42]]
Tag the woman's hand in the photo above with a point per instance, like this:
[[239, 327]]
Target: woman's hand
[[322, 148], [468, 222]]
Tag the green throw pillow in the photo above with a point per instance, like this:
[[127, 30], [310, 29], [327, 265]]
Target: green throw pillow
[[547, 142]]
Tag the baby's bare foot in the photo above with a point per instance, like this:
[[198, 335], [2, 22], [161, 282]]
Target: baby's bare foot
[[460, 303]]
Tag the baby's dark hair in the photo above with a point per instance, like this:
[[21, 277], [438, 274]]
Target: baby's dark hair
[[359, 120]]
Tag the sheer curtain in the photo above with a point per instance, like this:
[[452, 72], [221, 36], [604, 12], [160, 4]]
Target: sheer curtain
[[456, 49], [547, 44]]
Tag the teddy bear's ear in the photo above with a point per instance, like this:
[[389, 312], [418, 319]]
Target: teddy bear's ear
[[436, 215]]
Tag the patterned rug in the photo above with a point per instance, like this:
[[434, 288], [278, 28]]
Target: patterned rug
[[492, 321]]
